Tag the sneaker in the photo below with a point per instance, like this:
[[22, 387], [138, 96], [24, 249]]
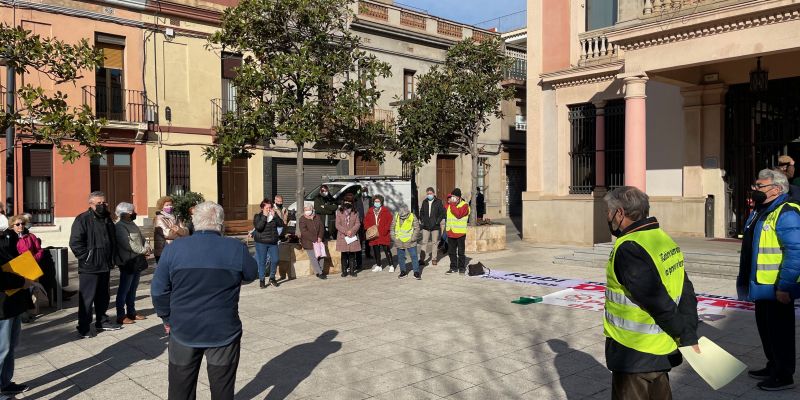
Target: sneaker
[[776, 384], [105, 319], [450, 271], [262, 284], [462, 271], [15, 388], [391, 269], [377, 269], [108, 327], [760, 374], [402, 274], [273, 282], [83, 335], [320, 276], [418, 275]]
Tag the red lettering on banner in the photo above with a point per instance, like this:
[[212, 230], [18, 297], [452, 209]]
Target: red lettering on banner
[[591, 287]]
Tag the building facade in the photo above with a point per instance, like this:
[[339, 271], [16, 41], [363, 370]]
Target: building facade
[[685, 99]]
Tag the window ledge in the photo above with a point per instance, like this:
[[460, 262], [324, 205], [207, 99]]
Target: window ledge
[[45, 228]]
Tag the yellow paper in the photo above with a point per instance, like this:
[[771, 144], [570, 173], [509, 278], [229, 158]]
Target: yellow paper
[[715, 365], [24, 265]]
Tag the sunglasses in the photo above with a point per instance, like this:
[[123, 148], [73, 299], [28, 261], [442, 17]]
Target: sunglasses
[[19, 224]]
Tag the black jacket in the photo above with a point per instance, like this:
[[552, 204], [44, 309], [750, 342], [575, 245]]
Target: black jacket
[[19, 302], [437, 214], [93, 259], [635, 270], [266, 232]]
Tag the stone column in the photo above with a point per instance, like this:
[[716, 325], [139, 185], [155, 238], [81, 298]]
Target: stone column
[[636, 132], [600, 144]]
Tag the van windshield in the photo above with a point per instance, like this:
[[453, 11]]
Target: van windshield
[[334, 188]]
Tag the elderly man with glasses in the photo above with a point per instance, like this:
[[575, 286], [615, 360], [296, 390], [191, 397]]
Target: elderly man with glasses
[[769, 269]]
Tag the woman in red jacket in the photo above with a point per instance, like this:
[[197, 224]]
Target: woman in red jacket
[[379, 215]]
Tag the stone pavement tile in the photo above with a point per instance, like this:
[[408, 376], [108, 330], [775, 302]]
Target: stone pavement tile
[[407, 393], [690, 393], [127, 389], [440, 348], [352, 359], [472, 356], [475, 374], [504, 365], [413, 357], [443, 385], [54, 389], [384, 383], [340, 393], [511, 384], [442, 365], [481, 393], [598, 373], [758, 394]]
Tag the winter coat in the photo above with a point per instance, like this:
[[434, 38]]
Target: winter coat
[[311, 230], [95, 254], [130, 242], [384, 223], [20, 301], [167, 229], [346, 223], [29, 242], [267, 231], [414, 235], [459, 210], [431, 214], [326, 208]]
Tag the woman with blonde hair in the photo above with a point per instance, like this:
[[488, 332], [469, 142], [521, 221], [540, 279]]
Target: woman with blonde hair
[[167, 226]]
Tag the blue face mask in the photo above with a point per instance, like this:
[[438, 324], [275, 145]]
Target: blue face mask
[[430, 197], [377, 204]]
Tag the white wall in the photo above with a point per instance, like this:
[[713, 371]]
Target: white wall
[[665, 139]]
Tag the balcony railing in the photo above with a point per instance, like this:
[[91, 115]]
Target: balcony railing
[[662, 6], [381, 115], [373, 10], [412, 20], [595, 46], [120, 105], [220, 107], [519, 66]]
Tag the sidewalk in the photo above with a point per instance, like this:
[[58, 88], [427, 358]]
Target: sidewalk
[[378, 337]]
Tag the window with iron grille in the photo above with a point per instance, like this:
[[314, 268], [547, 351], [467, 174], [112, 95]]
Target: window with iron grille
[[408, 171], [582, 131], [37, 181], [615, 143], [177, 172]]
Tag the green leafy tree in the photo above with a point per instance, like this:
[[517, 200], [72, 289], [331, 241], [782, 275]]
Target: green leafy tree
[[455, 103], [48, 118], [304, 79], [184, 203]]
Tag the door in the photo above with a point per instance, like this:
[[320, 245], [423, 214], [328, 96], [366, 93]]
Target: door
[[233, 189], [366, 167], [111, 173], [515, 185], [445, 174]]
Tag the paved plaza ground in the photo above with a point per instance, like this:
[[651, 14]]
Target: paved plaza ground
[[378, 337]]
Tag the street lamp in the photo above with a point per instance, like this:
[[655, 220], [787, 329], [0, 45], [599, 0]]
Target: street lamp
[[759, 79]]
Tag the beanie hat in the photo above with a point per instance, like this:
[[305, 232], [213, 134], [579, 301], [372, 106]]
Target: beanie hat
[[456, 192]]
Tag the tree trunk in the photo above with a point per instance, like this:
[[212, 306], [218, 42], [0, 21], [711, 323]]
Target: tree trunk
[[301, 190], [473, 151]]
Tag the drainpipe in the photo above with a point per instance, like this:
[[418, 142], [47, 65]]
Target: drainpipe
[[11, 87]]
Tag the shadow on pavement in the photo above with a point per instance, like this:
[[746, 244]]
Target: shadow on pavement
[[565, 361], [284, 372]]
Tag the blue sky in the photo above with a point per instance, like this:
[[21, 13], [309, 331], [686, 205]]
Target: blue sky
[[474, 11]]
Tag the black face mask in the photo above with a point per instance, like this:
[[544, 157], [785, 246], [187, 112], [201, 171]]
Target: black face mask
[[133, 217], [616, 232], [279, 205], [758, 197], [101, 210]]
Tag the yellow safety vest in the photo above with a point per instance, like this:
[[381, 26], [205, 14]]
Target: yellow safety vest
[[458, 225], [406, 230], [770, 253], [625, 321]]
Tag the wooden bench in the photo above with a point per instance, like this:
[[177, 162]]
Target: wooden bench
[[238, 227]]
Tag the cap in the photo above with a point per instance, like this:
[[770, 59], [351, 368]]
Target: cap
[[456, 192]]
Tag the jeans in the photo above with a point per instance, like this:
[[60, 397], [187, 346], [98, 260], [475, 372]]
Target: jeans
[[126, 293], [263, 252], [430, 238], [9, 338], [184, 366], [401, 259], [94, 296], [455, 247]]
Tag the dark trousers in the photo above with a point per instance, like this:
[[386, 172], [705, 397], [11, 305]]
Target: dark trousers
[[349, 261], [376, 253], [184, 366], [455, 247], [93, 292], [775, 322], [641, 386]]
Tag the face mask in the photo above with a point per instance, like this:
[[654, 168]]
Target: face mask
[[616, 232], [101, 210], [167, 209], [758, 197], [377, 204], [279, 205], [323, 193], [3, 222], [308, 213], [430, 197], [133, 217]]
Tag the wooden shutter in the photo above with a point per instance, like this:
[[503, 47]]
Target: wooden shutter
[[229, 63], [39, 162], [113, 55]]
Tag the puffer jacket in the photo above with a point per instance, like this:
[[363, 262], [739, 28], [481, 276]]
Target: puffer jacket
[[92, 259], [167, 229], [399, 244], [788, 231], [267, 231]]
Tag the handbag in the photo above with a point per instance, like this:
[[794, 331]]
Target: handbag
[[135, 264], [319, 250], [372, 232], [477, 269]]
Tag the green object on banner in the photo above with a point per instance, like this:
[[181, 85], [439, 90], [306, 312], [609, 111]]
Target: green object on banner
[[528, 300]]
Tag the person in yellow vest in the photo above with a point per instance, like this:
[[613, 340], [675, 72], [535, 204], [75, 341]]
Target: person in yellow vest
[[405, 235], [457, 217], [651, 308], [769, 275]]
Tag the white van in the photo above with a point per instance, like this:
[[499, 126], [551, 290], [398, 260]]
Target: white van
[[396, 190]]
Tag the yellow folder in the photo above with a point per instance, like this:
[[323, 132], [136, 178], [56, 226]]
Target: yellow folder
[[24, 265], [715, 365]]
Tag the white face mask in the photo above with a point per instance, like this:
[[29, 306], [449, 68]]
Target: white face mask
[[3, 222], [308, 212]]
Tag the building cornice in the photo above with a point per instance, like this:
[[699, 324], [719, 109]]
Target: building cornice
[[583, 75], [388, 30], [184, 11], [705, 23]]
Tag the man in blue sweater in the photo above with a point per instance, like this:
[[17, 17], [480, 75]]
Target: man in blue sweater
[[195, 291]]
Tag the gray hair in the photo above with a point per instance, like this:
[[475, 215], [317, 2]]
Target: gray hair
[[124, 208], [96, 194], [208, 216], [777, 178], [633, 201], [308, 204]]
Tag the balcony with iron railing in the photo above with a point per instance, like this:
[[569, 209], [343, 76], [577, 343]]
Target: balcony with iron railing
[[518, 72], [220, 107], [120, 106]]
